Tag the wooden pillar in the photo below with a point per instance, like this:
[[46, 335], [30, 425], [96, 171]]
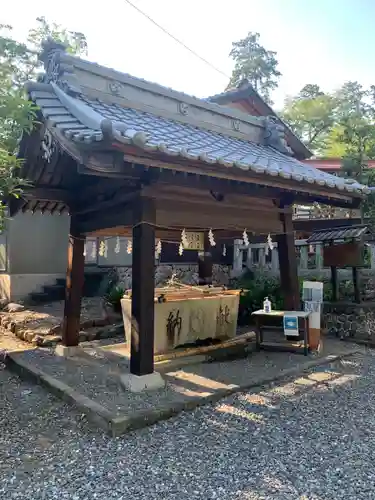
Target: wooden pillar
[[74, 287], [288, 262], [334, 284], [143, 288], [356, 284], [205, 263]]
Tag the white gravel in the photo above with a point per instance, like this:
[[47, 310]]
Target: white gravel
[[296, 440]]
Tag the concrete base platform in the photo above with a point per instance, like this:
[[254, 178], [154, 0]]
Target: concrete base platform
[[149, 382], [67, 351]]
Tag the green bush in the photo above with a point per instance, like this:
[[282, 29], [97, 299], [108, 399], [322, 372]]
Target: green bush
[[256, 287], [113, 297], [254, 290]]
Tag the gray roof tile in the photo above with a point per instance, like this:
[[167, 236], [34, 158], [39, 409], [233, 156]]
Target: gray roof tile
[[339, 233], [81, 119]]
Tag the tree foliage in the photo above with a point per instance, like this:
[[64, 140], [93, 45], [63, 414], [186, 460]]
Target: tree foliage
[[18, 64], [256, 65], [311, 115], [337, 124]]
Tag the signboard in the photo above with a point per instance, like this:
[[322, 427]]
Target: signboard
[[291, 325], [312, 296], [312, 307], [195, 241], [344, 254]]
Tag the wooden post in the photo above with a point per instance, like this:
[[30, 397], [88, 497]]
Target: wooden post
[[288, 263], [357, 291], [334, 283], [74, 286], [143, 288], [205, 263]]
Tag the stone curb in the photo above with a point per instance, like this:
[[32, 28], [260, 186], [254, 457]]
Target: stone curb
[[117, 425]]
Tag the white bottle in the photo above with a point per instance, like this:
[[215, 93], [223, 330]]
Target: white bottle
[[267, 305]]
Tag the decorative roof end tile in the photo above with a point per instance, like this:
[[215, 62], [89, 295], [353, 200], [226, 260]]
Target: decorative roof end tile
[[57, 70], [274, 135]]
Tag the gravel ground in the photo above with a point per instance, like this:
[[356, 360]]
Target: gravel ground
[[311, 438], [98, 378]]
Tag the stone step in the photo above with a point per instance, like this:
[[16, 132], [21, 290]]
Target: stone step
[[36, 298], [50, 293], [55, 292]]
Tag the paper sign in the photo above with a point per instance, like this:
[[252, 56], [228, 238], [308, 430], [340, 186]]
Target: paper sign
[[291, 326], [195, 241]]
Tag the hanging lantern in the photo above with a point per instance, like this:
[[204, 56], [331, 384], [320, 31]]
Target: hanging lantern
[[180, 249], [117, 246], [211, 238], [102, 249], [158, 249], [93, 250], [184, 240], [129, 247], [270, 243], [245, 238]]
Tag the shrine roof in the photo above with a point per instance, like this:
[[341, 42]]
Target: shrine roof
[[89, 104], [339, 233], [245, 91]]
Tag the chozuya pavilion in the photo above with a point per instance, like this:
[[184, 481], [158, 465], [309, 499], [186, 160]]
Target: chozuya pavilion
[[124, 155]]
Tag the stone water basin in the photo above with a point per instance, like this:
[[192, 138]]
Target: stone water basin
[[185, 315]]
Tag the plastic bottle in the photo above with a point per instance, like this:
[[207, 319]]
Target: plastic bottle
[[267, 305]]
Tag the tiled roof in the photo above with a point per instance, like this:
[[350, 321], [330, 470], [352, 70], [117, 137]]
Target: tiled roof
[[246, 91], [85, 120], [339, 233]]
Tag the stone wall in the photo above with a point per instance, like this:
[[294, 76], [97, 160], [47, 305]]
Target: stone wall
[[348, 320], [186, 273]]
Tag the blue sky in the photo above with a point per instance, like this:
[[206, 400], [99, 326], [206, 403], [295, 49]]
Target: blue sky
[[324, 41]]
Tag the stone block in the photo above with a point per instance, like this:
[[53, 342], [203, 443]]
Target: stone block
[[67, 351], [135, 383]]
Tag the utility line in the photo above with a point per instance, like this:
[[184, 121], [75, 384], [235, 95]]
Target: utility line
[[176, 39]]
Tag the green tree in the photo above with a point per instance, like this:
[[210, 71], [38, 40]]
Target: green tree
[[311, 116], [255, 64], [356, 132], [18, 64]]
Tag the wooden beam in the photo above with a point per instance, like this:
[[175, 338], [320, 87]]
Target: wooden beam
[[143, 286], [121, 215], [166, 177], [307, 191], [41, 193], [74, 286], [205, 263], [288, 263], [106, 204]]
